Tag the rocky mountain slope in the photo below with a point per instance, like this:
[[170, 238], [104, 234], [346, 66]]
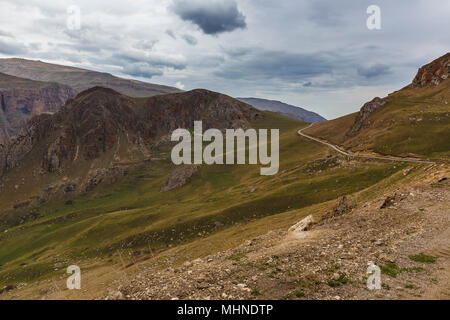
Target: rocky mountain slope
[[21, 99], [79, 79], [100, 132], [326, 254], [433, 74], [284, 109], [414, 121]]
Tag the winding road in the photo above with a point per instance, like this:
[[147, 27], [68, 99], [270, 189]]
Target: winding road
[[350, 154]]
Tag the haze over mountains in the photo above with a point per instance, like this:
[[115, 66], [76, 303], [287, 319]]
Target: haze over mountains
[[288, 110]]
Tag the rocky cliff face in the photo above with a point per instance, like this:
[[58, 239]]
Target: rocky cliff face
[[362, 119], [20, 99], [434, 73], [429, 75]]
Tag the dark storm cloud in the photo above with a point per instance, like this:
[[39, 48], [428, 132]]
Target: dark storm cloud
[[374, 70], [212, 17]]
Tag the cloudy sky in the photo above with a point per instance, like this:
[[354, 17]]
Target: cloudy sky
[[318, 54]]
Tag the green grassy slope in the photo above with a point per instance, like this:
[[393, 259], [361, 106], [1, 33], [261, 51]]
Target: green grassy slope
[[132, 214], [414, 122]]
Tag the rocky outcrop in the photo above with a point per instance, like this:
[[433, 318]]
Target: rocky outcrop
[[179, 177], [432, 74], [343, 206], [298, 229], [362, 119]]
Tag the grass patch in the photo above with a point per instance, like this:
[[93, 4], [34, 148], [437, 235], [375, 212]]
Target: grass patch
[[256, 293], [237, 257], [340, 281], [423, 258], [300, 294], [391, 269]]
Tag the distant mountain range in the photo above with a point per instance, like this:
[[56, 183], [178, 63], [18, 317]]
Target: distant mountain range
[[29, 88], [80, 79], [33, 87], [284, 109]]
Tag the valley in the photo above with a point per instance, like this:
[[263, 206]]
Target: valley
[[93, 185]]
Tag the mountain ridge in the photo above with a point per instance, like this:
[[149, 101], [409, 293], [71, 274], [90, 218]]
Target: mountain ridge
[[288, 110], [101, 132], [80, 79]]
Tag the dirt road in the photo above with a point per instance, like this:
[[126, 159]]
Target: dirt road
[[350, 154]]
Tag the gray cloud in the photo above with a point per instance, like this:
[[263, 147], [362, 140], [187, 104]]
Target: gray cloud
[[213, 16], [12, 47], [374, 70], [258, 63], [145, 44], [144, 64], [143, 70], [6, 34], [190, 39], [154, 60], [322, 13], [171, 34], [317, 53]]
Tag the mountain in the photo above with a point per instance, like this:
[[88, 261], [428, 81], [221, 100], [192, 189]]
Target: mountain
[[414, 121], [288, 110], [20, 99], [101, 132], [93, 185], [79, 79]]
